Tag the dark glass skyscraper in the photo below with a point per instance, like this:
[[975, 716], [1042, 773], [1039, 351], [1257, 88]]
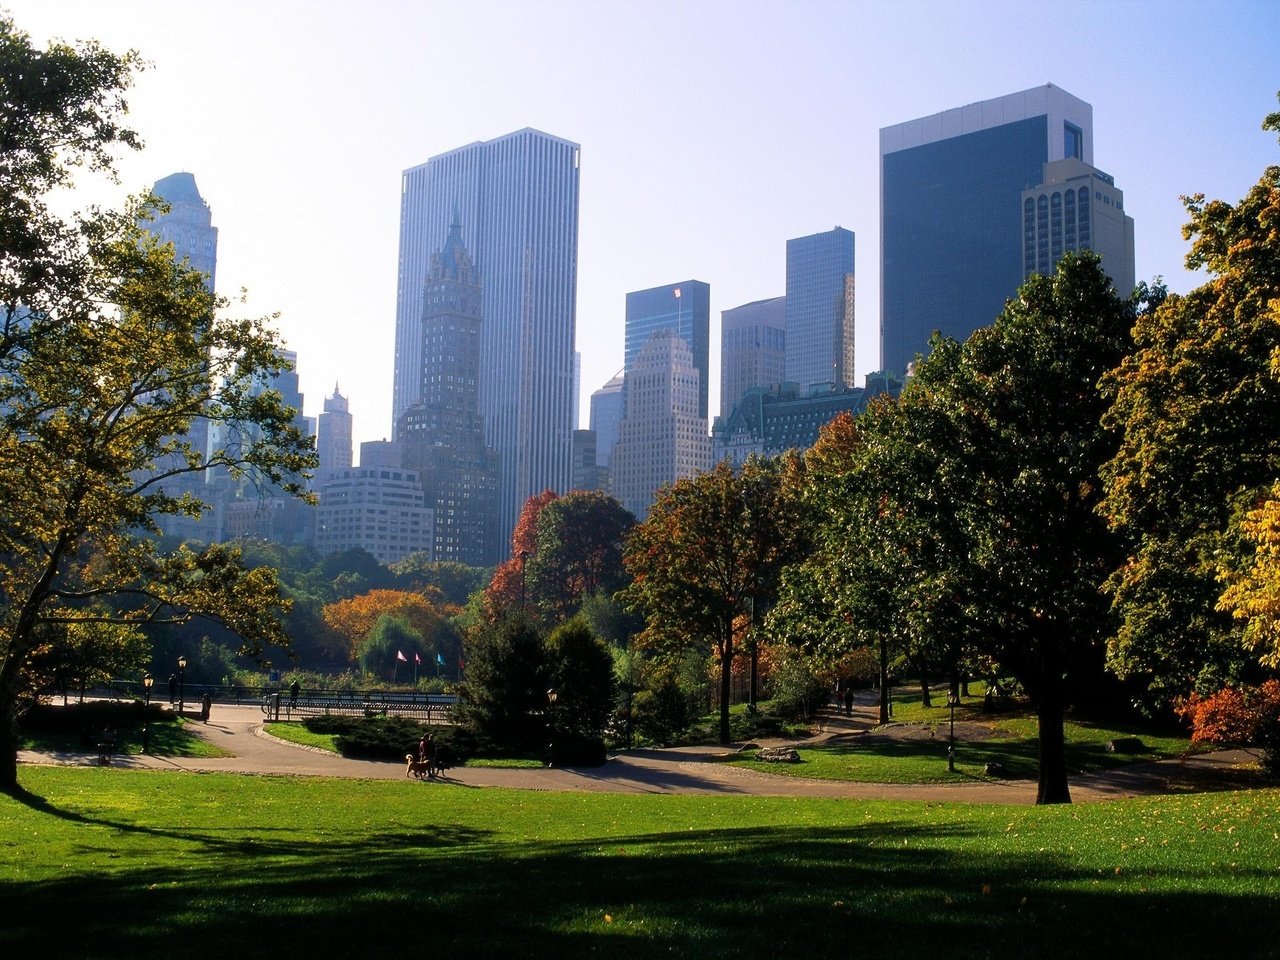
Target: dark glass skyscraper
[[819, 310], [684, 309], [951, 187]]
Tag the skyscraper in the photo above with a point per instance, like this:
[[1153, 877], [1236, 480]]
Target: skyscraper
[[1077, 207], [518, 196], [443, 432], [662, 437], [606, 414], [753, 342], [188, 225], [951, 211], [683, 308], [333, 437], [819, 309]]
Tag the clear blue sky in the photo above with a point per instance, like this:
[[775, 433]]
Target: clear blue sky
[[711, 132]]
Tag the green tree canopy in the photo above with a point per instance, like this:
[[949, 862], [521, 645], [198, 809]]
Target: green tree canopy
[[108, 350]]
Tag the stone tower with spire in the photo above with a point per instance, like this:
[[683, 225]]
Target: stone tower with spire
[[443, 433], [333, 438]]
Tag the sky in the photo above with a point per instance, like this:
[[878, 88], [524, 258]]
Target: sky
[[711, 132]]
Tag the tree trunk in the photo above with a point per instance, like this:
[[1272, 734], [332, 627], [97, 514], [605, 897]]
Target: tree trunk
[[1050, 709], [726, 676], [9, 728], [926, 700], [884, 680]]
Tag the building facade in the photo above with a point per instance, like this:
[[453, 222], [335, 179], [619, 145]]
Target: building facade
[[820, 308], [442, 432], [662, 437], [188, 225], [1077, 207], [606, 414], [951, 184], [518, 196], [753, 340], [767, 422], [333, 436], [379, 509], [684, 309]]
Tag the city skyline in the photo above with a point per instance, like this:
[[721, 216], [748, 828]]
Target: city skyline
[[304, 183]]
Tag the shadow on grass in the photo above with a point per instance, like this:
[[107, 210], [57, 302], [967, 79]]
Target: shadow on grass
[[894, 888]]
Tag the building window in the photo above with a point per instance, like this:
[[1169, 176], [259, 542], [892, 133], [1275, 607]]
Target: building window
[[1072, 141]]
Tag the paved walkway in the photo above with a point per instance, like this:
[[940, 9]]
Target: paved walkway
[[238, 730]]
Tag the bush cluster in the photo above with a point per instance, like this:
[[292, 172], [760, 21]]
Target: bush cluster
[[389, 738]]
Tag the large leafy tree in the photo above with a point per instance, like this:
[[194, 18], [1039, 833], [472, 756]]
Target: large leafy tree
[[1027, 402], [712, 546], [108, 349], [1197, 405], [503, 699], [578, 551], [509, 586]]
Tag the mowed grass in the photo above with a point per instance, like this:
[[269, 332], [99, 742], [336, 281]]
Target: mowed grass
[[297, 733], [113, 863], [169, 739]]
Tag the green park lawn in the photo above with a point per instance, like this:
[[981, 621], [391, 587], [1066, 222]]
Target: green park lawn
[[171, 739], [299, 734], [105, 862]]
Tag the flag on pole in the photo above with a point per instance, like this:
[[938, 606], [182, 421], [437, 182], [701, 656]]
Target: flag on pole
[[676, 291], [416, 658], [400, 656], [440, 659]]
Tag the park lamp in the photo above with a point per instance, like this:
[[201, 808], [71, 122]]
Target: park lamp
[[148, 681], [182, 662], [552, 694]]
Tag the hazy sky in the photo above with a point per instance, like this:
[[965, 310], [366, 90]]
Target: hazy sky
[[711, 132]]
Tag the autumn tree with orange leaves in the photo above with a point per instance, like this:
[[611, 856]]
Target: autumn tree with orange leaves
[[356, 617]]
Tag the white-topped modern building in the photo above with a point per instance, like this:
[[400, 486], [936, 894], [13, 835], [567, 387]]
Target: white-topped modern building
[[518, 196]]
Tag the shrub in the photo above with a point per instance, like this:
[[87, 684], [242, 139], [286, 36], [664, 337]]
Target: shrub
[[1239, 715]]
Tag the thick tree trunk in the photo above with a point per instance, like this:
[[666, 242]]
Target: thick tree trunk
[[1050, 709], [926, 700], [9, 728]]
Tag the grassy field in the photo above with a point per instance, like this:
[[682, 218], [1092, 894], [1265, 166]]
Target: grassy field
[[171, 739], [259, 866], [893, 757]]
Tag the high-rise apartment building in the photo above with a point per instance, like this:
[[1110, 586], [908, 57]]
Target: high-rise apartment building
[[442, 432], [684, 309], [333, 437], [518, 196], [379, 509], [951, 185], [820, 308], [753, 341], [1077, 207], [662, 437]]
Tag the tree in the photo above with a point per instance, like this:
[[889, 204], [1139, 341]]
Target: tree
[[388, 640], [578, 551], [78, 450], [509, 586], [1197, 405], [1029, 399], [503, 699], [427, 618], [581, 673], [710, 546], [455, 581]]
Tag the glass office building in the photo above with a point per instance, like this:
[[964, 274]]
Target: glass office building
[[684, 309], [518, 197], [951, 194], [819, 309]]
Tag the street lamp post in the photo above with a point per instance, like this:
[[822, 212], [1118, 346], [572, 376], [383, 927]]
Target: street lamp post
[[952, 700], [552, 696], [147, 681], [182, 682]]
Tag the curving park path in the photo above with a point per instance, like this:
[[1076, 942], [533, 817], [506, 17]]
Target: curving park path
[[238, 730]]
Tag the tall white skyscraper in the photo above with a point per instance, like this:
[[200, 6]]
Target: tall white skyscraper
[[518, 196]]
